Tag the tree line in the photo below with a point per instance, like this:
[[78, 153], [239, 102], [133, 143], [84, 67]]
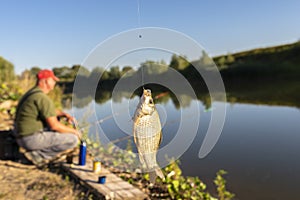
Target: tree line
[[260, 62]]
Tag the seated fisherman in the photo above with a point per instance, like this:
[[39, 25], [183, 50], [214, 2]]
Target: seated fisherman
[[37, 128]]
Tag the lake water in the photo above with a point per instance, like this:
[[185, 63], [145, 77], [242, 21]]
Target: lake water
[[259, 145]]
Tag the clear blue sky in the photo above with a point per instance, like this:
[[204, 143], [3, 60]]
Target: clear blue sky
[[53, 33]]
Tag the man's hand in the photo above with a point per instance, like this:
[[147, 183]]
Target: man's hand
[[78, 134], [55, 125], [70, 119]]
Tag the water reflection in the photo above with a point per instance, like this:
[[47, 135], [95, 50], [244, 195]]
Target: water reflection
[[280, 93], [259, 145]]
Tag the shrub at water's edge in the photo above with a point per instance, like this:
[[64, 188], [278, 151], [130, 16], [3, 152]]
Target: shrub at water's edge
[[175, 185], [7, 71]]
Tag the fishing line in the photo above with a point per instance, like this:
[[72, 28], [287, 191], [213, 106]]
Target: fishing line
[[100, 121], [109, 117], [140, 35], [138, 16]]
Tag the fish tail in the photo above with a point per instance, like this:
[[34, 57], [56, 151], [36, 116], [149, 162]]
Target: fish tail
[[153, 174]]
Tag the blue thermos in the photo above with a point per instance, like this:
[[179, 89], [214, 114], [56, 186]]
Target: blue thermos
[[82, 153]]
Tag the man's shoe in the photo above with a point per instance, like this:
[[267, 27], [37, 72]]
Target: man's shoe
[[62, 155], [35, 158]]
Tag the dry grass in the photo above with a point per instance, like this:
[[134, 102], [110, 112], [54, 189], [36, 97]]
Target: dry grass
[[19, 181]]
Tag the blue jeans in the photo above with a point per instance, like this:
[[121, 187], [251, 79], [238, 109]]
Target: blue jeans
[[47, 143]]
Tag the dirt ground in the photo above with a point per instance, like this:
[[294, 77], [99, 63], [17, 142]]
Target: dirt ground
[[23, 181]]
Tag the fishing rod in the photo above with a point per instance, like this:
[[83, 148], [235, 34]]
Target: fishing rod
[[95, 122], [121, 139], [76, 126]]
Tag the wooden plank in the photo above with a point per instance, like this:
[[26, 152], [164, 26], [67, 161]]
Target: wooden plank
[[114, 187]]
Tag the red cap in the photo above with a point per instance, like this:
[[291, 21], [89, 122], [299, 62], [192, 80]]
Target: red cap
[[45, 73]]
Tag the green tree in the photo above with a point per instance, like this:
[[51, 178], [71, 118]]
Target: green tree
[[96, 74], [179, 62], [230, 58], [64, 73], [114, 72], [205, 59], [75, 69], [7, 70], [105, 76], [81, 71], [221, 61], [34, 71], [81, 76], [152, 67], [127, 71]]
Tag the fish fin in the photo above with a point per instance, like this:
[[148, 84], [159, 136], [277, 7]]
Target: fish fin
[[160, 139], [134, 136], [157, 172]]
